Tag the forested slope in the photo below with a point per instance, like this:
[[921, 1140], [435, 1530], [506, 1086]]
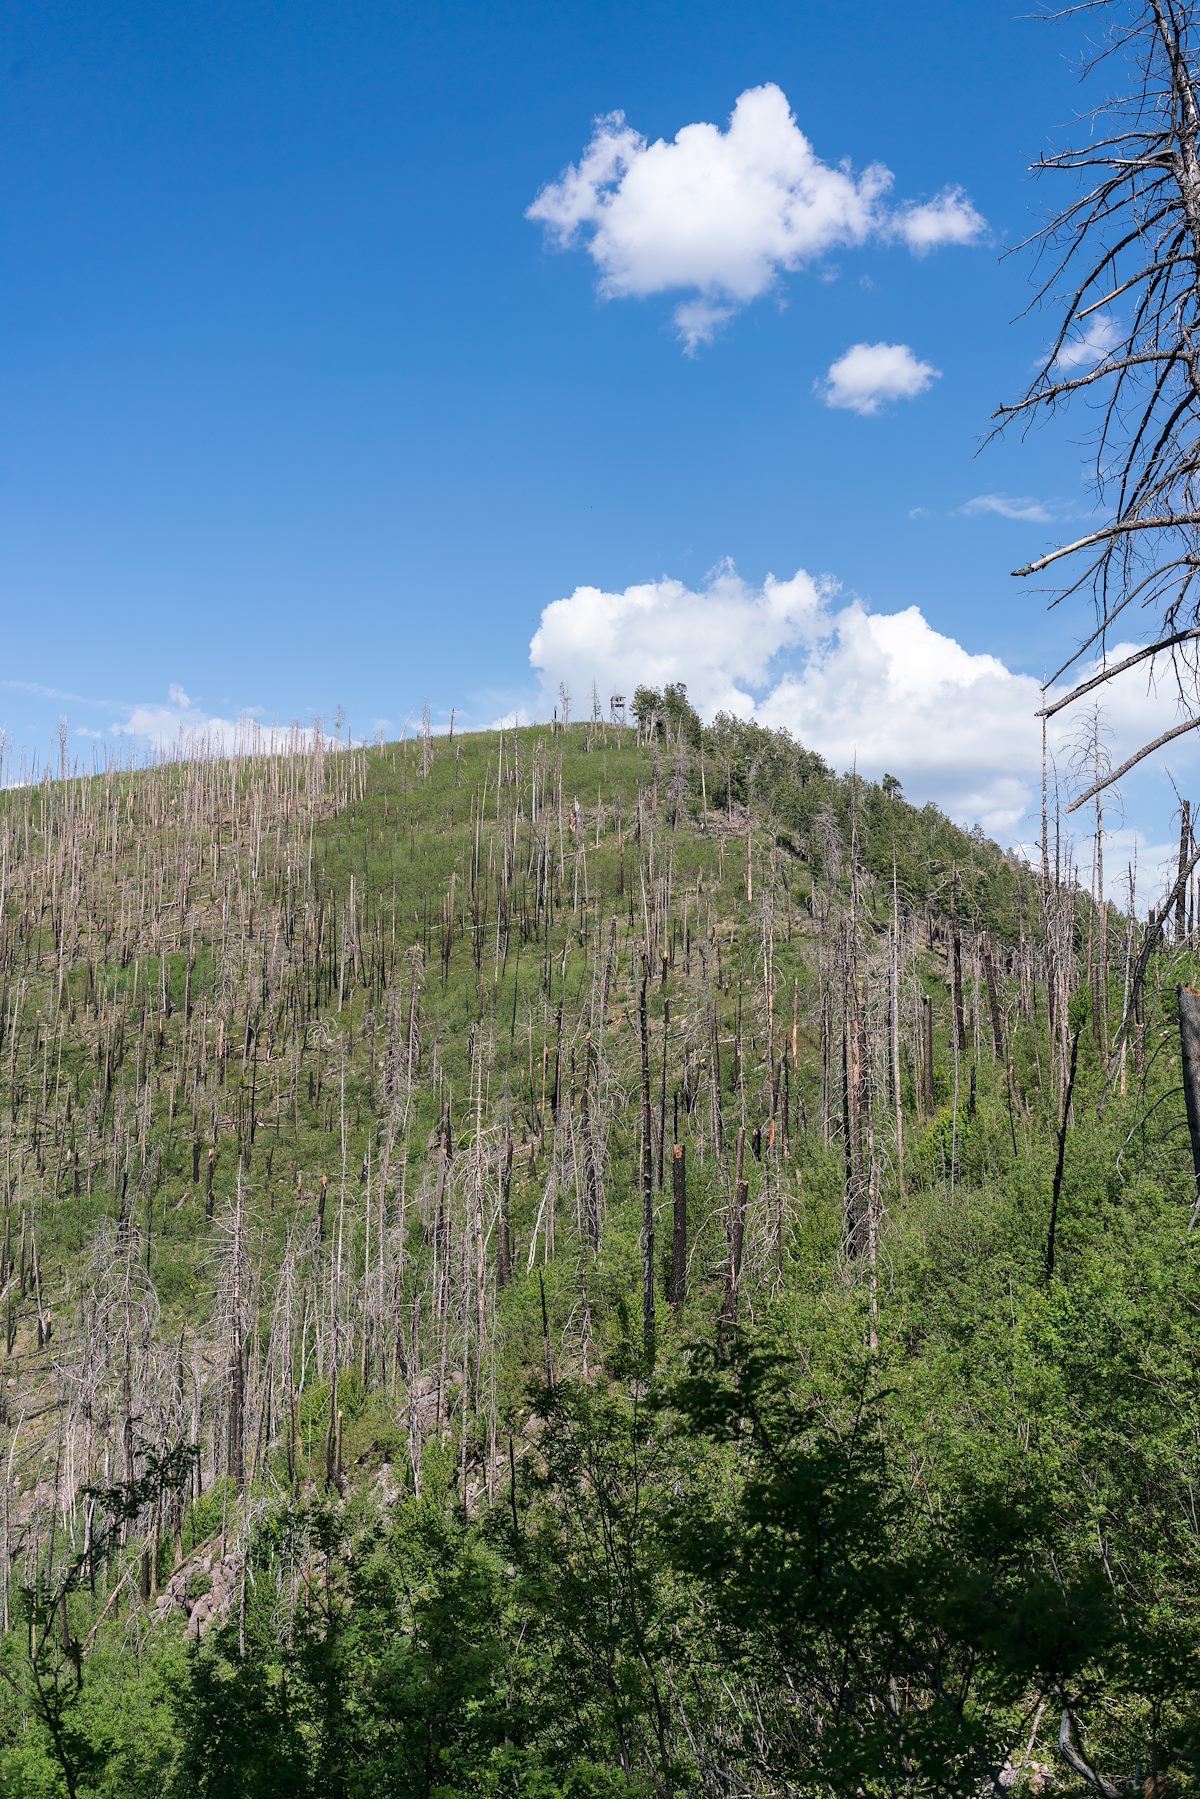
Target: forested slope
[[533, 1263]]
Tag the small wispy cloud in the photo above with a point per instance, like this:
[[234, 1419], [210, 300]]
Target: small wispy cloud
[[183, 725], [950, 218], [39, 690], [1091, 346], [178, 724], [698, 321], [1003, 505]]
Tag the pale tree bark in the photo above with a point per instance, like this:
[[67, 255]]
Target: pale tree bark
[[1189, 1044], [1120, 265]]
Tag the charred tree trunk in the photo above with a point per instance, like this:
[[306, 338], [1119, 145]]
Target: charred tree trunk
[[737, 1237], [679, 1234], [648, 1320], [989, 976], [503, 1242], [1189, 1044]]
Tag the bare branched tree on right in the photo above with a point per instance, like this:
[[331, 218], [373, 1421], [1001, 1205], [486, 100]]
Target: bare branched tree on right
[[1121, 265]]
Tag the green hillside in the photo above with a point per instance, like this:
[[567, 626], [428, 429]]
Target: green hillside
[[533, 1263]]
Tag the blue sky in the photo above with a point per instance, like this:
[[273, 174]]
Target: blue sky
[[299, 408]]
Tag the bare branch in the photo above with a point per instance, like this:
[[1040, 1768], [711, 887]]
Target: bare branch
[[1133, 231], [1138, 756], [1046, 396], [1078, 1763], [1121, 529], [1118, 668]]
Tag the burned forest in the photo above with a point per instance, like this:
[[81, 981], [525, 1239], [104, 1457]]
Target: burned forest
[[585, 1260]]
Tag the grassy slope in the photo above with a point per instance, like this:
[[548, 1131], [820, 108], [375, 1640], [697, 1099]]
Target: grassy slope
[[288, 913]]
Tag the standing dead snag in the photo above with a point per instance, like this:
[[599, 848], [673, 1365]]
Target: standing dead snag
[[547, 1358], [648, 1320], [956, 976], [993, 998], [859, 1154], [1132, 235], [894, 1031], [1189, 1045], [679, 1233], [234, 1283], [737, 1236], [927, 1053], [1068, 1095], [1185, 850], [592, 1147], [503, 1239]]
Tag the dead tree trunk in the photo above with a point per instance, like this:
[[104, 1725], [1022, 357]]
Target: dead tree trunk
[[894, 1035], [679, 1235], [737, 1236], [989, 976], [503, 1242], [648, 1322], [1189, 1044], [956, 981]]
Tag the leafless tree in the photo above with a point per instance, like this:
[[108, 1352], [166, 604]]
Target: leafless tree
[[1120, 263]]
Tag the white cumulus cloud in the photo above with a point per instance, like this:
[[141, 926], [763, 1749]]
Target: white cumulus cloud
[[720, 215], [888, 692], [728, 634], [885, 691], [869, 375]]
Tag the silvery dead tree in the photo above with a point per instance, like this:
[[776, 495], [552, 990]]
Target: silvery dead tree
[[1121, 264]]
